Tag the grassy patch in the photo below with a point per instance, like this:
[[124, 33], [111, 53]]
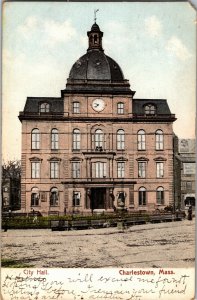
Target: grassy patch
[[11, 263]]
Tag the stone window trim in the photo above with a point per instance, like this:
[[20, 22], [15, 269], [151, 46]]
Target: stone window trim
[[35, 159], [145, 159], [54, 159], [121, 158], [75, 158], [160, 159]]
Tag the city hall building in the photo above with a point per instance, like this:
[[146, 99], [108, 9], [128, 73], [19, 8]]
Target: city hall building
[[96, 148]]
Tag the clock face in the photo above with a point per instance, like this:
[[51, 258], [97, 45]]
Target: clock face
[[98, 104]]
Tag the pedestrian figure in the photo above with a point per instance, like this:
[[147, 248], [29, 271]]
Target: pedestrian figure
[[190, 213]]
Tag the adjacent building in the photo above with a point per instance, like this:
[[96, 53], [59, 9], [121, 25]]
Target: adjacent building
[[185, 167], [96, 147]]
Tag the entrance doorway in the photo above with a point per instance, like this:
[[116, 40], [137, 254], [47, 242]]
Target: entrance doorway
[[98, 198]]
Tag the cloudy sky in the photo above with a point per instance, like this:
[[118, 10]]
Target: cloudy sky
[[154, 43]]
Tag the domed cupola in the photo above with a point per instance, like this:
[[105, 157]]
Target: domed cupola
[[95, 70]]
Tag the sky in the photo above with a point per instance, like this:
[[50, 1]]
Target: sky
[[154, 44]]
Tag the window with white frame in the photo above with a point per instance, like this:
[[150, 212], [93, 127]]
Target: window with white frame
[[150, 109], [35, 196], [141, 140], [120, 139], [142, 196], [76, 139], [76, 169], [160, 195], [160, 169], [99, 169], [54, 139], [54, 169], [120, 108], [76, 198], [76, 107], [141, 169], [54, 197], [35, 169], [35, 139], [159, 140], [121, 169], [99, 139], [44, 107]]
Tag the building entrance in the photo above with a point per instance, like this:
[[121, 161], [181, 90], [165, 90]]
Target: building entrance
[[98, 198]]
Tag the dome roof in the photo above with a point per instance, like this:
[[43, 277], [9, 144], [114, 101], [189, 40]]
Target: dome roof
[[95, 71], [95, 65]]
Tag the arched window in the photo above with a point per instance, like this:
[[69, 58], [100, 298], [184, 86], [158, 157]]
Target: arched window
[[35, 196], [120, 139], [35, 139], [141, 140], [76, 139], [44, 107], [142, 196], [99, 139], [54, 139], [120, 108], [150, 109], [54, 197], [159, 139], [160, 195]]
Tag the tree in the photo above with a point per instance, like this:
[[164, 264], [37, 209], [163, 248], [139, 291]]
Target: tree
[[11, 180]]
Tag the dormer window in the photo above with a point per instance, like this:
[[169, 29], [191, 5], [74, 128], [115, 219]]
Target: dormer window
[[44, 107], [150, 109]]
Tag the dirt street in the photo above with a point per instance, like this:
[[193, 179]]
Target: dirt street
[[152, 245]]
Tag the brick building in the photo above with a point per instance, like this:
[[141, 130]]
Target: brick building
[[96, 147]]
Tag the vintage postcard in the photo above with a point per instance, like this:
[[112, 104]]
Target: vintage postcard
[[98, 156]]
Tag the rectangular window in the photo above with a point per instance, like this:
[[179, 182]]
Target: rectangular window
[[99, 169], [76, 198], [120, 169], [189, 168], [160, 169], [54, 170], [189, 185], [35, 169], [142, 169], [76, 169], [76, 107], [120, 108]]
